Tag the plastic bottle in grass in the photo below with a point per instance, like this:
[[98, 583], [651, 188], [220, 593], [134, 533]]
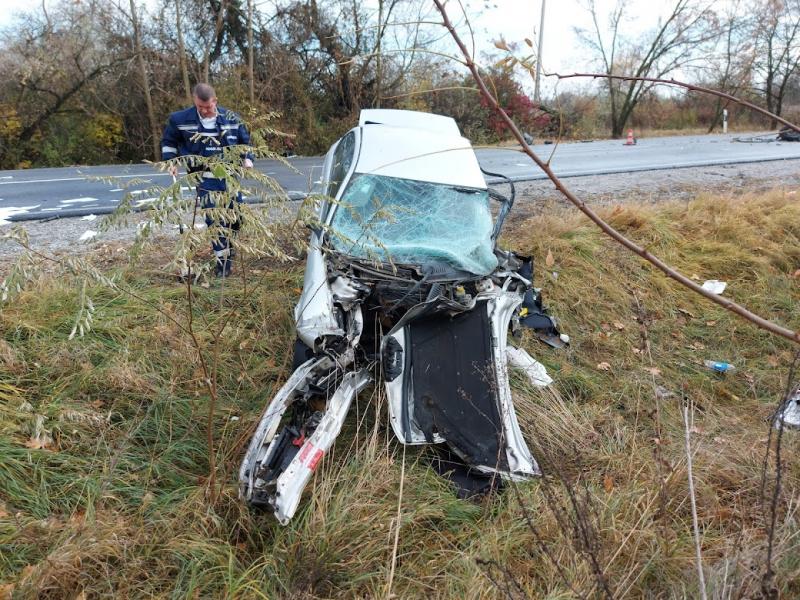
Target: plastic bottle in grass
[[719, 366]]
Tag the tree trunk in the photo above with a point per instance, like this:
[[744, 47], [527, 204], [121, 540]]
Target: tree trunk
[[717, 119], [378, 57], [250, 67], [187, 88], [617, 124], [145, 80], [215, 40]]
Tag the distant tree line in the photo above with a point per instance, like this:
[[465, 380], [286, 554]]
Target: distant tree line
[[748, 48], [92, 81]]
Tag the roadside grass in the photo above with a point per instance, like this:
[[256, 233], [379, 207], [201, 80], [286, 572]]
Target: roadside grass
[[104, 459]]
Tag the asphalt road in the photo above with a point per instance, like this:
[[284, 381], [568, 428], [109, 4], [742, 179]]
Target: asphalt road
[[74, 191]]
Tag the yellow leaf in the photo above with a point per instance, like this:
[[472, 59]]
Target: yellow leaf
[[604, 366], [501, 45], [529, 42], [549, 260], [655, 371], [43, 442], [619, 325], [608, 483]]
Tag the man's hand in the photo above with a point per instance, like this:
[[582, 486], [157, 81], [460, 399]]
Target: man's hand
[[247, 163], [172, 170]]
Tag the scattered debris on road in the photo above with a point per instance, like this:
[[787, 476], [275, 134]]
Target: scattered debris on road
[[787, 134]]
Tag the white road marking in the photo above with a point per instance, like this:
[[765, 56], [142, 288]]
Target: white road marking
[[10, 211], [84, 178], [117, 190], [79, 200], [7, 177]]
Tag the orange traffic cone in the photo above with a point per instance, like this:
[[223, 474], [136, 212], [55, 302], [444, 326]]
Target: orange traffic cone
[[631, 141]]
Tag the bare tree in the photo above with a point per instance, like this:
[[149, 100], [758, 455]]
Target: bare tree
[[54, 58], [355, 55], [144, 78], [730, 68], [219, 15], [673, 44], [187, 88], [778, 48]]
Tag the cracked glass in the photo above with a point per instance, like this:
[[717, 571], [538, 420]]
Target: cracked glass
[[406, 221]]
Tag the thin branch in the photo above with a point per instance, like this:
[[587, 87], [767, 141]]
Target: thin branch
[[767, 587], [595, 218], [397, 526], [687, 425]]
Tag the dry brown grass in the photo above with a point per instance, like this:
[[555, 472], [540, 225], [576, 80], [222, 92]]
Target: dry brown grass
[[118, 506]]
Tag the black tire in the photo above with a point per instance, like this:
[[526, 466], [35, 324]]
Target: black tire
[[301, 353]]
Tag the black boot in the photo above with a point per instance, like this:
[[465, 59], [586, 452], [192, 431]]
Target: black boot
[[224, 267]]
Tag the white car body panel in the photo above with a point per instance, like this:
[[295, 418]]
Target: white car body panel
[[419, 155], [409, 119]]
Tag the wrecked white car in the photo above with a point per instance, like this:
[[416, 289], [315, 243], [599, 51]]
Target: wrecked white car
[[404, 284]]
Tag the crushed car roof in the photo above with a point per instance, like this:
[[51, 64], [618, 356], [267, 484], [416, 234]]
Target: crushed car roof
[[410, 153]]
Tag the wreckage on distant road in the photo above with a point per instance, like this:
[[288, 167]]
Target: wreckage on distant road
[[404, 282]]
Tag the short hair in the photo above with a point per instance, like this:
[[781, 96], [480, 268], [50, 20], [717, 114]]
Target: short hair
[[204, 92]]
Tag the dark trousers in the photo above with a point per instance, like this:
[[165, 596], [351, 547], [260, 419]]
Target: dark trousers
[[221, 245]]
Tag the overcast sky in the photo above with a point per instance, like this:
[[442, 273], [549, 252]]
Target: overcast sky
[[513, 20]]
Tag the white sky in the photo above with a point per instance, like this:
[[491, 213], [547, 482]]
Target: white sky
[[512, 19]]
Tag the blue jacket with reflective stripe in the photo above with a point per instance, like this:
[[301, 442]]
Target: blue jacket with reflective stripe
[[184, 125]]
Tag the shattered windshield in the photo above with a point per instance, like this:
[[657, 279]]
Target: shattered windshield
[[409, 221]]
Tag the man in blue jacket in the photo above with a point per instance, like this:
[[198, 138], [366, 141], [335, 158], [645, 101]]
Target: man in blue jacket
[[206, 129]]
